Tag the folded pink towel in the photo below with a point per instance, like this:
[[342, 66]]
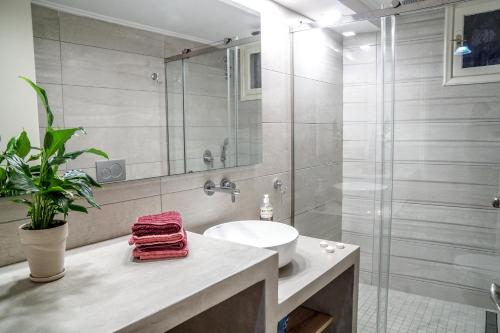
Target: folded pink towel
[[163, 254], [163, 223], [155, 244], [165, 217], [162, 238], [162, 246]]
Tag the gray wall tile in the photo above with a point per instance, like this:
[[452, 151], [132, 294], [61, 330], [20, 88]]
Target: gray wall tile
[[97, 67], [87, 31], [104, 107], [118, 142], [317, 144], [45, 22], [318, 55], [317, 101], [276, 99], [47, 61]]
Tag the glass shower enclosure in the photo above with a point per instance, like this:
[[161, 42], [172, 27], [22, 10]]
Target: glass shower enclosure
[[389, 158]]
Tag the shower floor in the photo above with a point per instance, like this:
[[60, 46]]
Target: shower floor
[[414, 313]]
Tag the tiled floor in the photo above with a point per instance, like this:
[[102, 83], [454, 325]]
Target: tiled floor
[[414, 313]]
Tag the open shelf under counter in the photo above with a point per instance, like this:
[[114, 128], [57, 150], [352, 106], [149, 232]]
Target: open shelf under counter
[[304, 320], [324, 282]]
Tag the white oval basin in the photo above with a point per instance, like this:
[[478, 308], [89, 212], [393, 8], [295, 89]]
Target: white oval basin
[[275, 236]]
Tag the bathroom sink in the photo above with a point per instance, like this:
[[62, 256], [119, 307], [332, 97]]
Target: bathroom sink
[[275, 236]]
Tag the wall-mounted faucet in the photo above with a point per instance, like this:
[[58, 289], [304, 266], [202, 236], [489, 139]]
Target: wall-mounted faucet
[[208, 158], [279, 186], [226, 186]]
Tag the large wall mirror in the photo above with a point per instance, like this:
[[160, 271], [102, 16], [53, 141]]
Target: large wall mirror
[[167, 87]]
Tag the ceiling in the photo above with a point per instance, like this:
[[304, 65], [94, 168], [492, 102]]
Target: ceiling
[[199, 20], [319, 10]]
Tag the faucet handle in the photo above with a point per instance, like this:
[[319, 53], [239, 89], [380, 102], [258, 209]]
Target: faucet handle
[[226, 183]]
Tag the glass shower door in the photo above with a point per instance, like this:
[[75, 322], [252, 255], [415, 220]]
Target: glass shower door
[[390, 159], [342, 156], [445, 233]]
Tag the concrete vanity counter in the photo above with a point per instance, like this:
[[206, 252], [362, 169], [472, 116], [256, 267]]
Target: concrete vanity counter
[[105, 290], [325, 282], [219, 285]]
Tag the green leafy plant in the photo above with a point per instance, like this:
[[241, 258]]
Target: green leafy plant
[[31, 173]]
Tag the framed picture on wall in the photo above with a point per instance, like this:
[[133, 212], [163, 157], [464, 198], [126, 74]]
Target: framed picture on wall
[[472, 43]]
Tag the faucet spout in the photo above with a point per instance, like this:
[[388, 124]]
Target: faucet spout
[[234, 194]]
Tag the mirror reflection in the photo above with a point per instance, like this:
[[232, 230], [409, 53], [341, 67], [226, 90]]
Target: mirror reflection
[[214, 106], [164, 88]]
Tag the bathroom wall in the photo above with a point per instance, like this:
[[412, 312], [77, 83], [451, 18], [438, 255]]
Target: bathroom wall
[[16, 36], [444, 232], [318, 133], [98, 75], [123, 202]]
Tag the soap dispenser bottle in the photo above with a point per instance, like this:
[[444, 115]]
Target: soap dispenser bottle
[[266, 209]]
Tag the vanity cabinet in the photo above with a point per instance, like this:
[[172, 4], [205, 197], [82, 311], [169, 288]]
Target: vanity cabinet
[[220, 287]]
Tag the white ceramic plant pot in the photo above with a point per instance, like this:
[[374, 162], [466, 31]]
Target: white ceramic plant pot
[[44, 251]]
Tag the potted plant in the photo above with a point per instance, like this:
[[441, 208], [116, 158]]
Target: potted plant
[[31, 175]]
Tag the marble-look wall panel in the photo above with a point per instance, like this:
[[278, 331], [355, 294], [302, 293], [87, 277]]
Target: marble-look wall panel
[[317, 144], [201, 211], [210, 111], [447, 215], [318, 55], [45, 22], [322, 100], [47, 60], [204, 80], [446, 151], [81, 30], [450, 292], [103, 107], [118, 142], [276, 96], [317, 185], [463, 237], [318, 133], [426, 25], [320, 224], [476, 277], [96, 67]]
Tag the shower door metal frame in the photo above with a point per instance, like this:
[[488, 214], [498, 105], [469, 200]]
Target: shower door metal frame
[[416, 6]]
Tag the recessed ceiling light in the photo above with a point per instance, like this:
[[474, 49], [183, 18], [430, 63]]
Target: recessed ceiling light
[[329, 18], [349, 33]]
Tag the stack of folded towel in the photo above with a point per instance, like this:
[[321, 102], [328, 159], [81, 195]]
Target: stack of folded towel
[[159, 236]]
